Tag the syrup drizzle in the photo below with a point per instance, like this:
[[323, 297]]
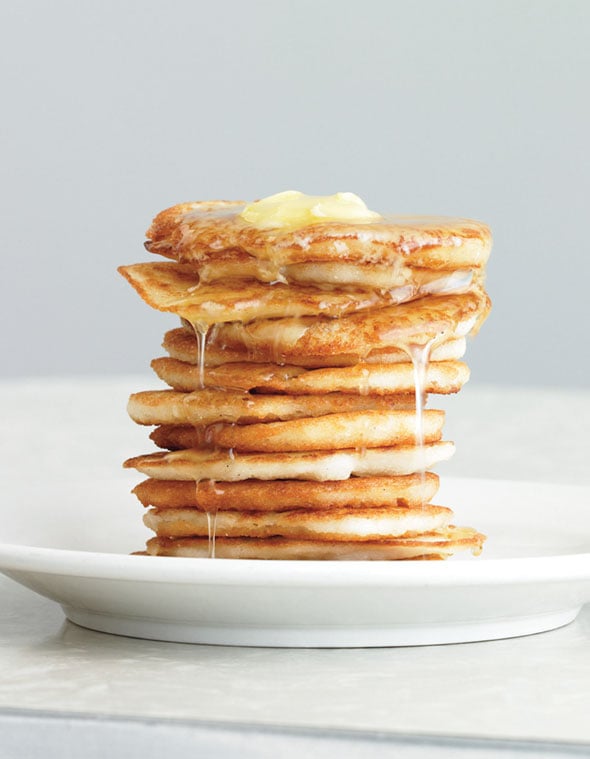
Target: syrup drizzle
[[420, 356], [201, 331], [211, 531], [201, 335]]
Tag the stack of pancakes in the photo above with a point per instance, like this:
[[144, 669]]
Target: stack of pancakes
[[295, 426]]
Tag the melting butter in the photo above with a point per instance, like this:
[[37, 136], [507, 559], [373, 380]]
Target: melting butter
[[295, 209]]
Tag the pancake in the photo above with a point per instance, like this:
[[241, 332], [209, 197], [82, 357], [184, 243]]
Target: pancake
[[429, 320], [204, 407], [239, 265], [177, 436], [181, 344], [376, 379], [357, 429], [334, 524], [438, 544], [202, 231], [283, 495], [177, 288], [195, 464]]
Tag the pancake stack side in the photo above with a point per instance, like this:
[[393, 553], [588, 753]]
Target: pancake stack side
[[299, 422]]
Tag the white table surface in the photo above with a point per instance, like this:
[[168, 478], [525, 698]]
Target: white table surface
[[55, 676]]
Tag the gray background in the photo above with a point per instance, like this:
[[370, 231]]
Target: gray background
[[112, 111]]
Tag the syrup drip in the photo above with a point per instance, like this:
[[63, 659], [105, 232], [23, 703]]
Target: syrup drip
[[364, 384], [276, 350], [201, 331], [211, 532], [212, 518], [420, 355], [201, 335]]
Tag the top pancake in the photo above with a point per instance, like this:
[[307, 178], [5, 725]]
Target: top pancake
[[203, 231]]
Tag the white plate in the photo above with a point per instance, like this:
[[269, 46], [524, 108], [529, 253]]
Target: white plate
[[534, 574]]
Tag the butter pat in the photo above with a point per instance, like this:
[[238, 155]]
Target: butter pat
[[294, 209]]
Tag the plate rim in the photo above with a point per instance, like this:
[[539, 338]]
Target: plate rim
[[15, 558], [459, 570]]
